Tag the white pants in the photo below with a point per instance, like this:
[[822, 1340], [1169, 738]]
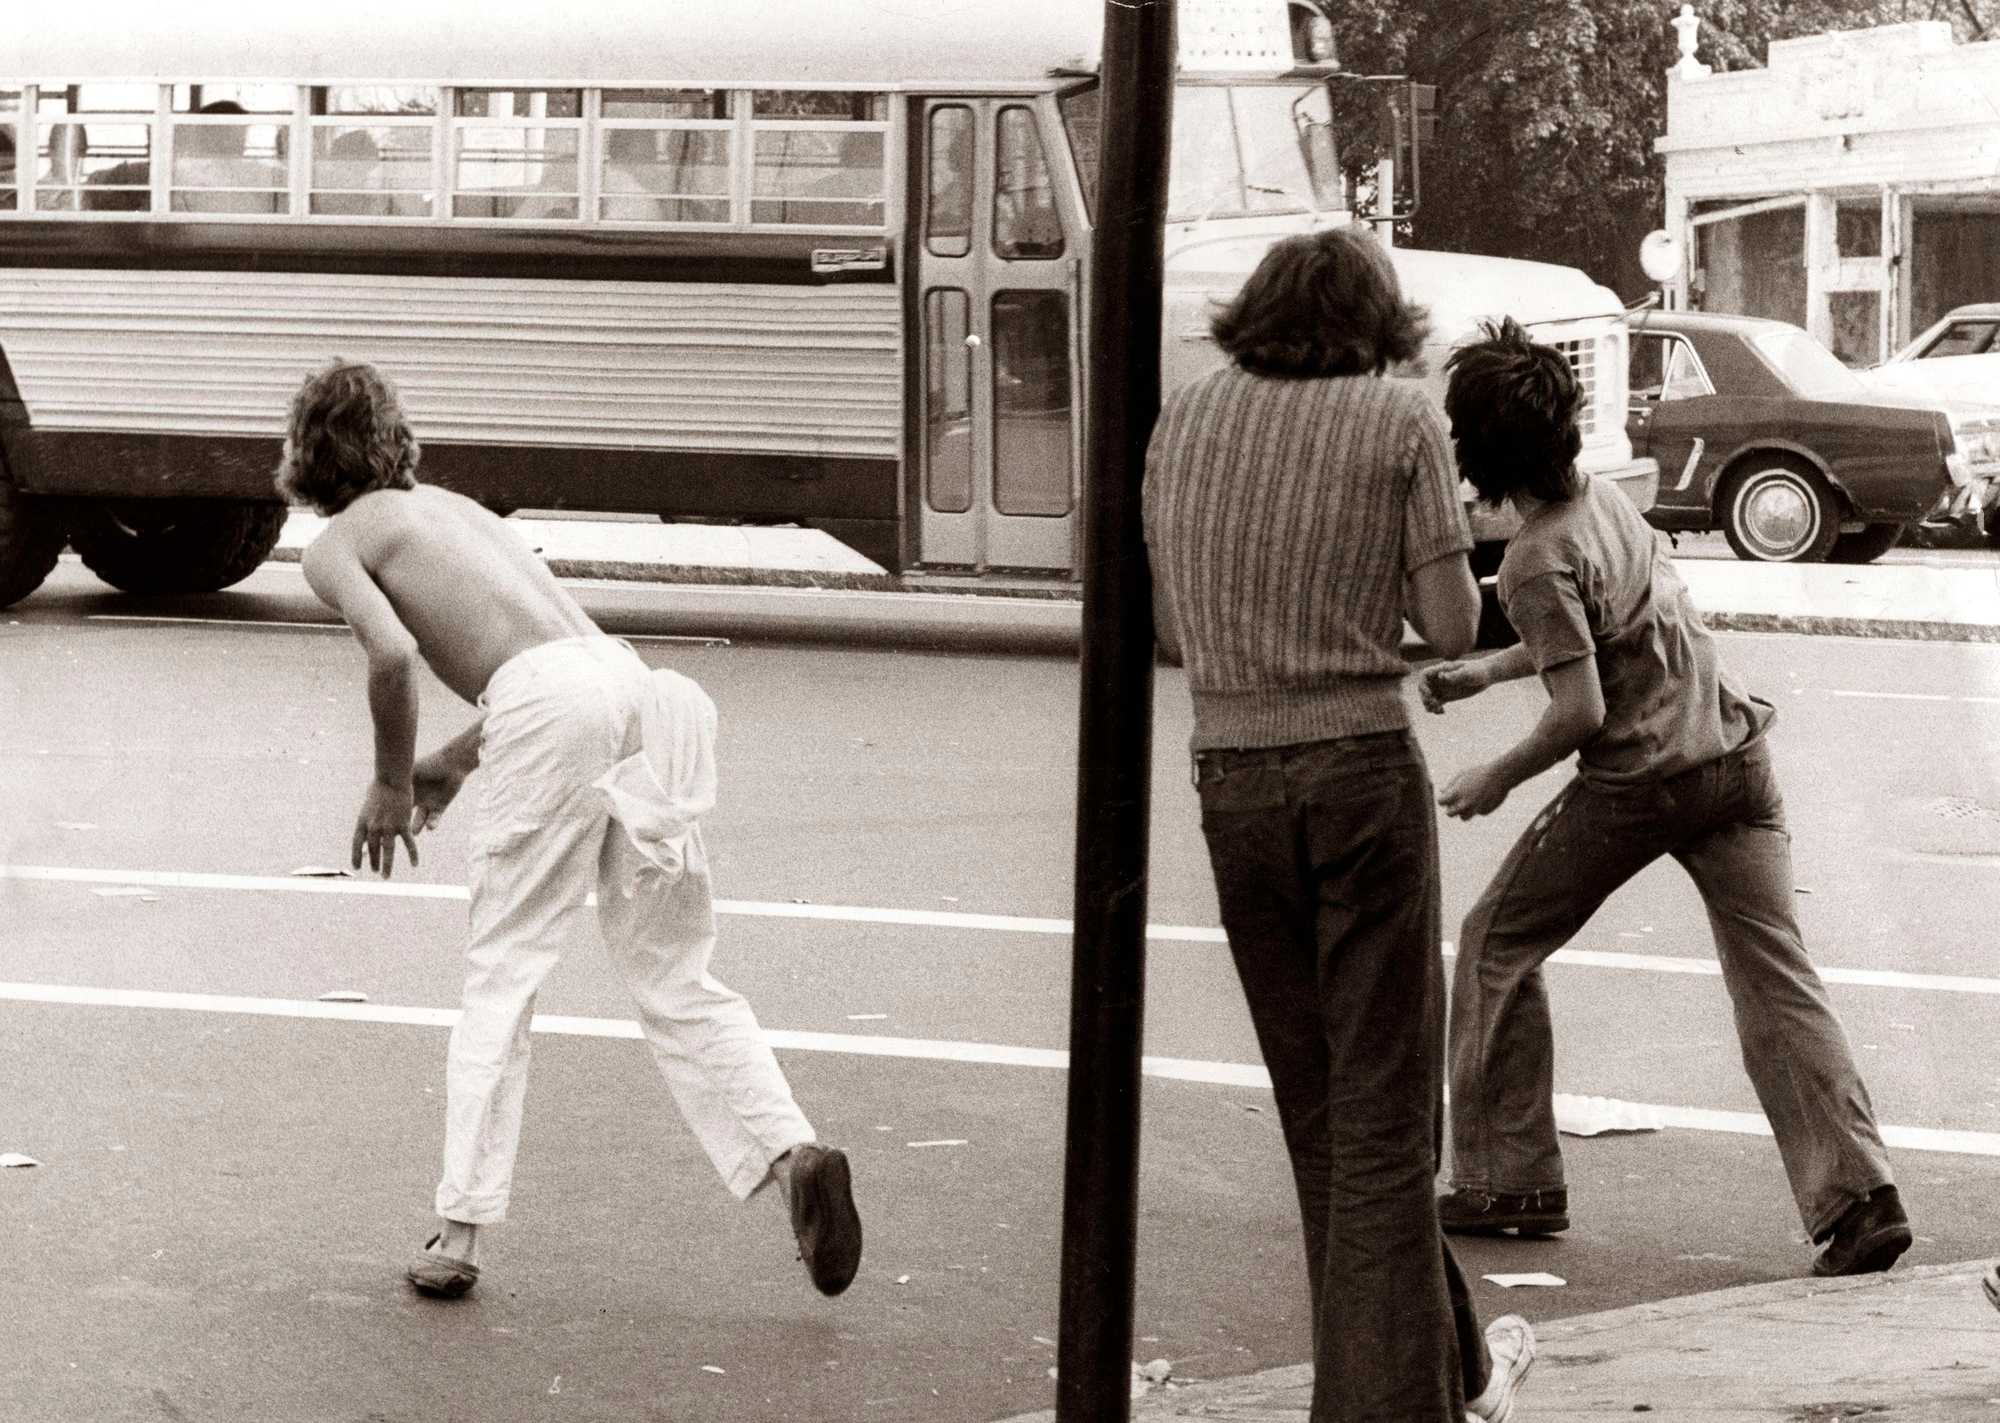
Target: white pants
[[595, 771]]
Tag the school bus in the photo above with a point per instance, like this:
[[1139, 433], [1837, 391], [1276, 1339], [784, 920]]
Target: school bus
[[812, 261]]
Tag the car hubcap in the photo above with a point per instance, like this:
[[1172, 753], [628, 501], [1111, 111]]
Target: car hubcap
[[1779, 517]]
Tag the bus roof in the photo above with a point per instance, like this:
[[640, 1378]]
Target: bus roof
[[794, 43]]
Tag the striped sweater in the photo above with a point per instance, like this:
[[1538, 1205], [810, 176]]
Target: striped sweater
[[1282, 517]]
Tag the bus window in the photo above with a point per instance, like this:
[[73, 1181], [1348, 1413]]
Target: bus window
[[1031, 403], [371, 152], [948, 194], [227, 157], [1205, 172], [10, 120], [93, 147], [674, 166], [809, 168], [1080, 112], [515, 152], [947, 402], [1025, 224]]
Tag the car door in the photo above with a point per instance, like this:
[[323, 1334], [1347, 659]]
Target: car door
[[1670, 402]]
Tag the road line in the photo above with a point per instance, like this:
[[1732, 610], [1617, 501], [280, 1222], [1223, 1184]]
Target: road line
[[1180, 1069], [941, 919], [1916, 697]]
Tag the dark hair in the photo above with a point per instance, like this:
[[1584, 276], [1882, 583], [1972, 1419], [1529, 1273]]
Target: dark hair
[[1513, 404], [346, 437], [1322, 304]]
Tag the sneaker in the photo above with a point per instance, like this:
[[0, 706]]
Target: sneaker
[[823, 1216], [1868, 1238], [1470, 1212], [1511, 1342]]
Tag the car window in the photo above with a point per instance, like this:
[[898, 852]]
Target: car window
[[1806, 366], [1963, 338], [1664, 367]]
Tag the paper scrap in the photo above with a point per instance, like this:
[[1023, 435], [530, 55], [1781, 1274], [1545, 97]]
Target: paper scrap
[[712, 1369], [15, 1158], [942, 1141], [127, 891], [902, 1279], [343, 995], [865, 1017], [1595, 1116], [1536, 1277]]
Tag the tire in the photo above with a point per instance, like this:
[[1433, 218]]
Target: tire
[[1776, 509], [1866, 545], [174, 545], [31, 539]]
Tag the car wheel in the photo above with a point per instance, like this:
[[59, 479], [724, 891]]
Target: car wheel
[[1776, 510], [174, 545], [1865, 545]]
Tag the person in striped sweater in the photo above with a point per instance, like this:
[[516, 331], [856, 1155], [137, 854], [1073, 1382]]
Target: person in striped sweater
[[1298, 507]]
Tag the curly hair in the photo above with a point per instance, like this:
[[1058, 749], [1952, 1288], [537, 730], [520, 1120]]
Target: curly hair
[[1322, 304], [346, 437], [1513, 405]]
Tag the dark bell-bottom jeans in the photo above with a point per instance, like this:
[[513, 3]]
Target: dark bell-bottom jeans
[[1326, 865], [1724, 821]]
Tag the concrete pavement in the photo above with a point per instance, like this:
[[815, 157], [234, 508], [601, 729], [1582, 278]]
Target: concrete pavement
[[799, 584], [1915, 1344], [1911, 1346]]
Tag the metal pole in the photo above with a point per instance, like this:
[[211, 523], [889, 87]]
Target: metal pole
[[1114, 750]]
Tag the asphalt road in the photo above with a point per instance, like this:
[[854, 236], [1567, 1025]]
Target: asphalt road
[[232, 1170]]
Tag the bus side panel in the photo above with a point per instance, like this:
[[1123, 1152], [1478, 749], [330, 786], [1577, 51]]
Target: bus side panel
[[719, 399]]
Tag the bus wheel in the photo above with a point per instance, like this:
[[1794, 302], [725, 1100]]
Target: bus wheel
[[31, 537], [174, 545]]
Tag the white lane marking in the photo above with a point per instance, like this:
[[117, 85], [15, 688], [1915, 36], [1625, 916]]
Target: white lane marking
[[703, 639], [944, 919], [1917, 697], [217, 622], [1221, 1074]]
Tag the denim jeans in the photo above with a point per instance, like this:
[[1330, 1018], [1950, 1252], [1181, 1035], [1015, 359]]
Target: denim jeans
[[1724, 821], [1325, 859]]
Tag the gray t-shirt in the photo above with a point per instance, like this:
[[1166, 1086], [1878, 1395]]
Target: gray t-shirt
[[1590, 578]]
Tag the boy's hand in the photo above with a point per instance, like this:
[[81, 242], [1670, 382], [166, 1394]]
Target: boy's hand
[[1443, 682], [434, 782], [384, 818], [1478, 791]]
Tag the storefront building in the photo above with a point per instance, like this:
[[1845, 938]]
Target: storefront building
[[1852, 186]]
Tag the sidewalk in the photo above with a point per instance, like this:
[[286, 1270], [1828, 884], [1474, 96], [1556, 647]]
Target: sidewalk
[[1911, 1346], [801, 584]]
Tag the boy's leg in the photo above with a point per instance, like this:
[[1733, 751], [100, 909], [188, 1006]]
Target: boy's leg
[[1584, 845], [659, 930], [1793, 1046], [528, 889]]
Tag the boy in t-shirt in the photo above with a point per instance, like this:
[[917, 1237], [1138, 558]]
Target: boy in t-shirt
[[1671, 760]]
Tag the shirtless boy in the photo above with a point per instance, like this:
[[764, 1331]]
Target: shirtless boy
[[598, 771]]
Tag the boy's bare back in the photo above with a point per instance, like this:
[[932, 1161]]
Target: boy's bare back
[[462, 585]]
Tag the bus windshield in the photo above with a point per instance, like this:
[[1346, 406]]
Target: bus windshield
[[1239, 150], [1250, 149]]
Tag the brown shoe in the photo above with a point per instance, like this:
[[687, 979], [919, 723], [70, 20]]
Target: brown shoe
[[824, 1218], [1868, 1238]]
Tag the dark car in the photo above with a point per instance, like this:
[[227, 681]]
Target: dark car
[[1761, 432]]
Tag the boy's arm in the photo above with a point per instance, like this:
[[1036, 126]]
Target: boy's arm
[[334, 570], [1443, 600], [1443, 682], [1574, 714]]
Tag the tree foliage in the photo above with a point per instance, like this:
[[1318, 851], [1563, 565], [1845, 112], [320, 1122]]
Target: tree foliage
[[1548, 109]]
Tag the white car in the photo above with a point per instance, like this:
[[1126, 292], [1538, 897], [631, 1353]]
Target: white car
[[1957, 359]]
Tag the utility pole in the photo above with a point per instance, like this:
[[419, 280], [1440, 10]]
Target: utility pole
[[1115, 733]]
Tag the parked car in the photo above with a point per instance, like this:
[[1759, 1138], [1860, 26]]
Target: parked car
[[1761, 432], [1958, 358]]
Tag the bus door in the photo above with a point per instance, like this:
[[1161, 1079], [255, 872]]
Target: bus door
[[998, 258]]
